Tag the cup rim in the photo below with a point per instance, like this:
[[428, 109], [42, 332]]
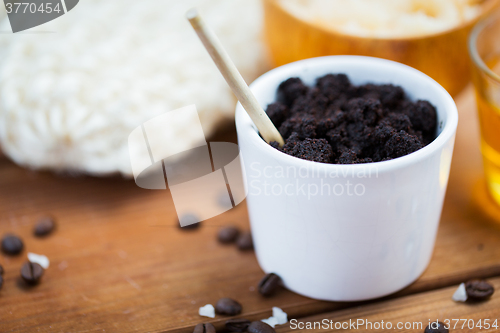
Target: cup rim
[[246, 128], [472, 45]]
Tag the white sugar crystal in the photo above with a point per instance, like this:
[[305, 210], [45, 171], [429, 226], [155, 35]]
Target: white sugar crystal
[[280, 315], [461, 294], [39, 259], [271, 321], [207, 311]]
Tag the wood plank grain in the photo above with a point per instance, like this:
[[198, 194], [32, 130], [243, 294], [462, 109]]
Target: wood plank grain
[[119, 263], [415, 311]]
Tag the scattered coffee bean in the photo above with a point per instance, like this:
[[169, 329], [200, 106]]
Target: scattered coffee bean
[[1, 270], [478, 290], [44, 226], [204, 328], [188, 218], [245, 241], [228, 235], [269, 284], [237, 325], [11, 244], [439, 329], [31, 272], [260, 327], [228, 306]]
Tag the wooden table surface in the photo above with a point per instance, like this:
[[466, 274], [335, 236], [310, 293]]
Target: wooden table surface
[[119, 263]]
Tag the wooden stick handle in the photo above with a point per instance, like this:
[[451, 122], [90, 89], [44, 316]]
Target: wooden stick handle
[[234, 78]]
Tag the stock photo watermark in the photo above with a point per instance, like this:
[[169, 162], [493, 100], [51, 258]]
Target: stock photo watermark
[[200, 174], [377, 325], [23, 14], [319, 180]]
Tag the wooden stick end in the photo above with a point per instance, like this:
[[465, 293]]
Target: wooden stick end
[[194, 18]]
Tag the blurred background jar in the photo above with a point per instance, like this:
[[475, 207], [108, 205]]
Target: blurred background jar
[[484, 48], [429, 35]]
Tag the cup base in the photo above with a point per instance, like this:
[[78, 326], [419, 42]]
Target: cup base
[[374, 295]]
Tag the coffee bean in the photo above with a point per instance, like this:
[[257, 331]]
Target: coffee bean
[[189, 218], [31, 272], [1, 270], [228, 235], [237, 325], [228, 306], [433, 328], [11, 244], [245, 241], [44, 226], [478, 290], [204, 328], [260, 327], [269, 284]]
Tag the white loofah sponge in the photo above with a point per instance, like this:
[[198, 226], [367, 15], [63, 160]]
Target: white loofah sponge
[[71, 94]]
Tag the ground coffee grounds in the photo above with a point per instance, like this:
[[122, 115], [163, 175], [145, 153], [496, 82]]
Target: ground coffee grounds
[[338, 122]]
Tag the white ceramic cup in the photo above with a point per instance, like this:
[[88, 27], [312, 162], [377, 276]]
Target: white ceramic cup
[[346, 232]]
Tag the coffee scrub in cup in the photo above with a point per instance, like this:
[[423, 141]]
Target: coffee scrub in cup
[[348, 208]]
